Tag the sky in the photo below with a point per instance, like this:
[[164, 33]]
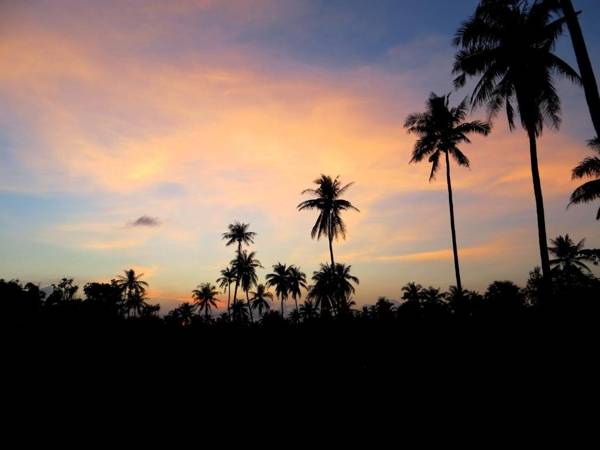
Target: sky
[[133, 132]]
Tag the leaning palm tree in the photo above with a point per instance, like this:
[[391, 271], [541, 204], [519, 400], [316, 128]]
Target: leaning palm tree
[[588, 79], [237, 233], [509, 45], [589, 167], [261, 299], [296, 282], [330, 206], [567, 254], [245, 266], [205, 298], [134, 291], [279, 279], [441, 129], [227, 277]]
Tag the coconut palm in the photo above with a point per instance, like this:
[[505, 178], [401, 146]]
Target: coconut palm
[[184, 314], [588, 168], [508, 44], [330, 206], [245, 266], [296, 282], [333, 285], [227, 277], [261, 299], [441, 129], [134, 291], [239, 311], [412, 292], [205, 298], [279, 279], [238, 233], [567, 254], [308, 310]]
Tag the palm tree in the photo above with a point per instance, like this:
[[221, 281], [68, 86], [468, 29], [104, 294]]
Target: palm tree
[[239, 311], [261, 298], [586, 70], [308, 310], [238, 234], [296, 282], [279, 279], [333, 285], [589, 167], [205, 297], [184, 313], [412, 292], [245, 266], [509, 44], [568, 255], [330, 206], [134, 290], [441, 129], [227, 277]]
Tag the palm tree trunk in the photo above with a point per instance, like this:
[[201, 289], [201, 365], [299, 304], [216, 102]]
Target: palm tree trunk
[[539, 205], [453, 226], [281, 297], [586, 70], [229, 300], [249, 308], [330, 236]]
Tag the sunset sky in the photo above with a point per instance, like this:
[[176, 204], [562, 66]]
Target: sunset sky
[[191, 114]]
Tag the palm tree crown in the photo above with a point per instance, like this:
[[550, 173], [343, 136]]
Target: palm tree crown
[[279, 279], [261, 298], [134, 290], [441, 129], [205, 297], [567, 253], [588, 168], [238, 234], [330, 206]]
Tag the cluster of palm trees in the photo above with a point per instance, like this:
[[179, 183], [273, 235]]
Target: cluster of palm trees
[[507, 46]]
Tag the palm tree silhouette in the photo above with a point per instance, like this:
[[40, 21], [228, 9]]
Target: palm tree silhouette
[[412, 292], [308, 310], [588, 79], [238, 234], [589, 167], [279, 279], [239, 311], [333, 285], [296, 282], [227, 277], [134, 290], [568, 254], [261, 298], [330, 206], [184, 314], [509, 45], [441, 129], [205, 298], [245, 266]]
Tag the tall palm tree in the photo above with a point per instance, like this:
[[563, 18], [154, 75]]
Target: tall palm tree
[[509, 44], [279, 279], [296, 282], [261, 298], [441, 129], [205, 298], [330, 206], [245, 266], [227, 277], [589, 167], [237, 233], [134, 290], [568, 255], [588, 79]]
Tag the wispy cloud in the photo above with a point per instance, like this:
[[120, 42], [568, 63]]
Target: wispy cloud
[[145, 221]]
